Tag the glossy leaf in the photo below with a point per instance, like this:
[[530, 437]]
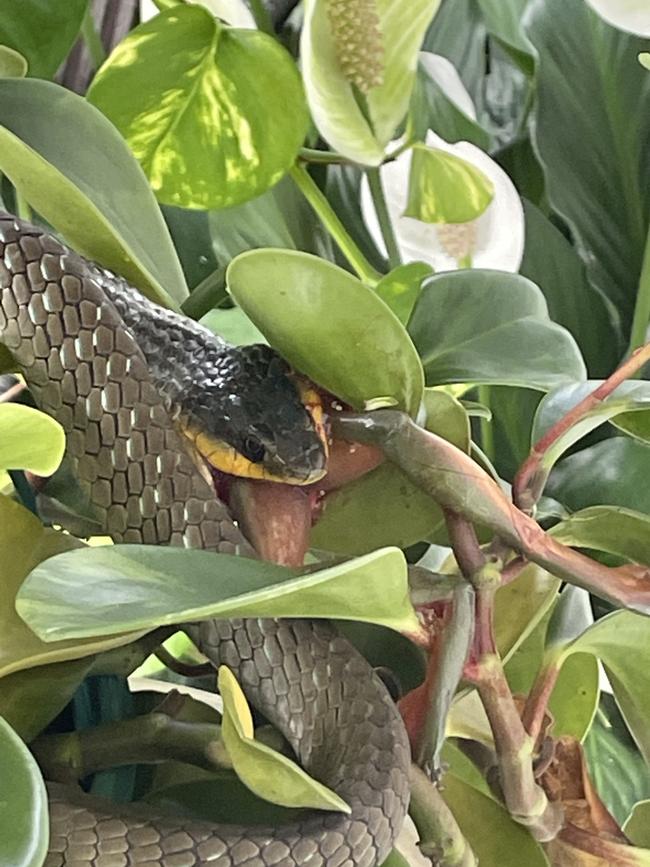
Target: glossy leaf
[[24, 543], [331, 97], [97, 196], [607, 473], [192, 111], [43, 31], [24, 822], [29, 440], [520, 606], [233, 325], [490, 327], [116, 588], [591, 122], [12, 63], [615, 530], [553, 263], [444, 188], [400, 288], [267, 773], [384, 507], [496, 839], [628, 406], [300, 302]]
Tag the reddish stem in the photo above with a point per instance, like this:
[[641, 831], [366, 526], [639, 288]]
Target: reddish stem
[[529, 481], [538, 698]]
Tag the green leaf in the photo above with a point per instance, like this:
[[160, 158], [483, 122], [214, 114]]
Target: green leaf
[[621, 641], [443, 188], [233, 325], [43, 31], [314, 313], [554, 265], [96, 196], [607, 473], [591, 123], [631, 400], [29, 440], [490, 327], [266, 772], [496, 839], [637, 824], [184, 91], [384, 507], [24, 821], [615, 530], [503, 18], [32, 698], [399, 289], [520, 606], [12, 63], [101, 591], [619, 773], [395, 859], [24, 543], [644, 59], [362, 135]]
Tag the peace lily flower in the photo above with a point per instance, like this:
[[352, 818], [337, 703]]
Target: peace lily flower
[[495, 239], [630, 15]]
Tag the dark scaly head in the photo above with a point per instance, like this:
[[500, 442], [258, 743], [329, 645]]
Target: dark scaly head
[[248, 415]]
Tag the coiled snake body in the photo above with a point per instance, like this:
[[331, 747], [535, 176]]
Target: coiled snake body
[[84, 341]]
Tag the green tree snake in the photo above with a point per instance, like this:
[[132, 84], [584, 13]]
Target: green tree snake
[[100, 358]]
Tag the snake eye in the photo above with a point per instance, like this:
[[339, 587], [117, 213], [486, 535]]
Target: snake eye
[[253, 449]]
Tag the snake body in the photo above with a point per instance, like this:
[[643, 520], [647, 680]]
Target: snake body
[[86, 344]]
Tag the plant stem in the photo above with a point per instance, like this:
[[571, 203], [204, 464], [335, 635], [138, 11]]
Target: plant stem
[[440, 837], [209, 293], [531, 477], [91, 39], [383, 217], [22, 206], [334, 226], [262, 17], [641, 317], [486, 425], [538, 698], [311, 155]]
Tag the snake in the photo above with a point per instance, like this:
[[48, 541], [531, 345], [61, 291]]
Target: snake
[[157, 411]]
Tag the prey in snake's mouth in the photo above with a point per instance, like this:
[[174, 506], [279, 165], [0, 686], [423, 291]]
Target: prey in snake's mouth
[[269, 455]]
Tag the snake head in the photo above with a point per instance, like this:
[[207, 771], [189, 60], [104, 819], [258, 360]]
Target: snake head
[[254, 418]]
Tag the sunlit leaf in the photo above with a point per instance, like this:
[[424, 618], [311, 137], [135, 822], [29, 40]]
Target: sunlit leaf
[[29, 440], [269, 774], [96, 196], [101, 591], [192, 110], [300, 302], [24, 822], [490, 327], [444, 188], [332, 100], [43, 31]]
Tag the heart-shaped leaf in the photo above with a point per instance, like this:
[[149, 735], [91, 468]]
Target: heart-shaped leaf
[[184, 91], [101, 591], [490, 327], [96, 196], [382, 44], [300, 302], [29, 440], [24, 821], [267, 773]]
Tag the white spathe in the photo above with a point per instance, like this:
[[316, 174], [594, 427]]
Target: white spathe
[[446, 76], [494, 240], [630, 15]]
